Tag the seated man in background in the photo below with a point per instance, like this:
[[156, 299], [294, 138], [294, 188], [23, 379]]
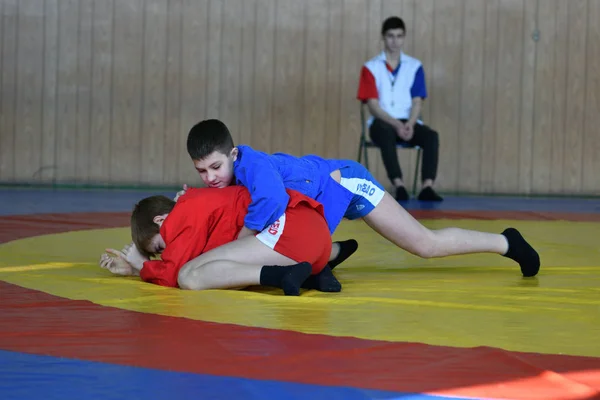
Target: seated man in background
[[392, 85]]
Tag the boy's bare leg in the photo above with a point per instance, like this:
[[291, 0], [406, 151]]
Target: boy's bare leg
[[394, 223], [243, 262], [220, 275], [340, 251]]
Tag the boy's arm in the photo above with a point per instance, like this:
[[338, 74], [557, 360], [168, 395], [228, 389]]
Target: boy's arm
[[164, 272], [269, 197], [189, 238]]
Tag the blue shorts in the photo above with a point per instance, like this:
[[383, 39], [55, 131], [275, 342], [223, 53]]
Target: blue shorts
[[367, 192]]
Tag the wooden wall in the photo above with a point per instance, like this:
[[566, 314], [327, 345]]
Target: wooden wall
[[104, 91]]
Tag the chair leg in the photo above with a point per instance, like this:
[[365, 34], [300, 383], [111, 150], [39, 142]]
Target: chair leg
[[366, 157], [417, 171], [360, 150]]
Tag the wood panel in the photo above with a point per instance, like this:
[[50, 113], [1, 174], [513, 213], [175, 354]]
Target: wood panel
[[174, 135], [263, 121], [66, 96], [8, 95], [508, 94], [105, 92], [84, 92], [247, 72], [559, 100], [153, 98], [288, 62], [575, 107], [29, 80], [471, 101], [48, 168], [591, 137], [101, 104], [490, 88], [315, 68], [354, 45], [201, 23], [127, 85], [230, 65], [527, 96], [542, 111], [445, 81], [335, 33]]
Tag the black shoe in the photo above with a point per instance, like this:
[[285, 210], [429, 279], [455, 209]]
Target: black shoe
[[428, 194], [401, 194]]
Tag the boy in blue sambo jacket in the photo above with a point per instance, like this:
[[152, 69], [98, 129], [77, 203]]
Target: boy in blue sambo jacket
[[346, 189]]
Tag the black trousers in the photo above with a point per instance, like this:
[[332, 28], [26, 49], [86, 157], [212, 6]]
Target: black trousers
[[385, 137]]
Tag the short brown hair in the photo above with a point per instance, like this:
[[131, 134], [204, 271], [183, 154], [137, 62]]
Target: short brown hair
[[143, 227], [207, 137]]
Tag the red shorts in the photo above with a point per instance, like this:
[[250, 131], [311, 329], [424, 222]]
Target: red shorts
[[301, 234]]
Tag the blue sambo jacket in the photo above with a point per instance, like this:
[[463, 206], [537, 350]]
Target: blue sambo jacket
[[268, 175]]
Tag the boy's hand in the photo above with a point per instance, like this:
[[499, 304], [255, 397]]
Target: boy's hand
[[181, 192], [408, 131], [134, 257], [115, 262]]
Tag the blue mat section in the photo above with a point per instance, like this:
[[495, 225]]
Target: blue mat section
[[532, 204], [36, 201], [28, 376], [41, 201]]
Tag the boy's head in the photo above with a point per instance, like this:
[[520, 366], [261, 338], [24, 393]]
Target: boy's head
[[146, 219], [393, 31], [210, 146]]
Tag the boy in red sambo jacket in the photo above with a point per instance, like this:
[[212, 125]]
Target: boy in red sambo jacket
[[206, 222]]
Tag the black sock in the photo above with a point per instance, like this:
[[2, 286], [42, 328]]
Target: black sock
[[347, 248], [288, 278], [324, 281], [522, 252]]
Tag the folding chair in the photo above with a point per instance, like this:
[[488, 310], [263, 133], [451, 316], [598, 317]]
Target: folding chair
[[366, 144]]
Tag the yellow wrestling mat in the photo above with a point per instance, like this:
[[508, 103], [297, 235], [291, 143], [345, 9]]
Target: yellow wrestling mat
[[388, 294]]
